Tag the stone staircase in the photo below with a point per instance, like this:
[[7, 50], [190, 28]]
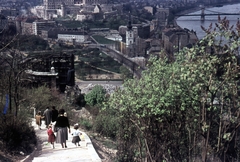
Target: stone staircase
[[83, 153]]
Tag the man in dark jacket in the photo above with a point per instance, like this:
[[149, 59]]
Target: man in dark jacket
[[54, 114], [47, 116]]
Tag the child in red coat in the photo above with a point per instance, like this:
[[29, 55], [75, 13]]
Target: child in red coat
[[51, 136]]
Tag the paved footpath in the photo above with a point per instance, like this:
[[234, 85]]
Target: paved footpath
[[83, 153]]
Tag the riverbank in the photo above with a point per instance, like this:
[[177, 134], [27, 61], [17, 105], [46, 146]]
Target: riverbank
[[184, 13]]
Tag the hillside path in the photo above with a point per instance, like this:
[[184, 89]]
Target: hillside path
[[83, 153]]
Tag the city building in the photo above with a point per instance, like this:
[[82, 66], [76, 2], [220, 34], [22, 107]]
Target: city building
[[149, 9], [114, 35], [53, 8], [26, 25], [32, 25], [72, 36], [91, 2], [39, 25], [153, 47], [130, 40], [175, 39], [140, 30], [10, 12], [84, 16]]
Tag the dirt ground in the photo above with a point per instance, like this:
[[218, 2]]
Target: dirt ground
[[106, 154]]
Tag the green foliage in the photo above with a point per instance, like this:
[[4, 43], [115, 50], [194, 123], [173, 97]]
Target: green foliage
[[115, 22], [112, 23], [180, 109], [106, 124], [30, 43], [96, 95], [92, 61], [86, 123], [16, 135], [144, 14], [40, 98], [125, 73]]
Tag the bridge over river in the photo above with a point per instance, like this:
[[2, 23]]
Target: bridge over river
[[202, 15]]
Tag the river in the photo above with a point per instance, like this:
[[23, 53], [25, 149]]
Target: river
[[195, 23]]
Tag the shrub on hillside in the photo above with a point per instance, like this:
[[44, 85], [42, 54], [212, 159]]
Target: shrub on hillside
[[106, 125], [86, 123], [186, 109], [95, 96], [16, 135]]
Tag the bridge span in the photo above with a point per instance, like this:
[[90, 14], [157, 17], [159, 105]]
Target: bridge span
[[212, 13]]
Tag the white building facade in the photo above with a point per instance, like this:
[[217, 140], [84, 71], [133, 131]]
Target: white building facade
[[71, 37], [38, 26]]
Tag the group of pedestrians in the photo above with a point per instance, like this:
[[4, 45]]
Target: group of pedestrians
[[50, 115], [57, 122]]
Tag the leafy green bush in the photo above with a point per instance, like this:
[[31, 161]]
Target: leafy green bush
[[191, 102], [106, 125], [96, 96], [16, 135], [125, 73], [42, 97], [30, 43], [86, 123]]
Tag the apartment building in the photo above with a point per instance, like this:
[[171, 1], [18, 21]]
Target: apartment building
[[56, 4], [26, 26], [38, 26], [94, 1], [72, 36], [175, 39]]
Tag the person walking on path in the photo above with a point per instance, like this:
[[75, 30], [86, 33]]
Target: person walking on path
[[47, 116], [51, 136], [62, 125], [54, 114], [39, 118], [76, 139]]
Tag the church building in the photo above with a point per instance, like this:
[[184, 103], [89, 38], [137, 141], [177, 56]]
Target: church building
[[130, 39]]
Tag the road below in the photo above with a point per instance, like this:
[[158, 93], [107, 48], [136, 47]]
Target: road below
[[83, 84]]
